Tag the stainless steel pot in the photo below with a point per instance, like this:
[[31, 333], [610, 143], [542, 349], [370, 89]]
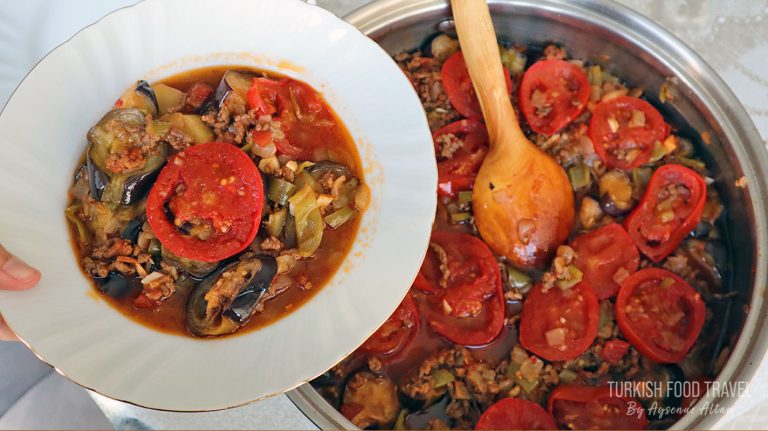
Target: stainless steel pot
[[644, 54]]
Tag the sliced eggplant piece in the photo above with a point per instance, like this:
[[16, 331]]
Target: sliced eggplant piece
[[117, 286], [337, 169], [419, 391], [141, 97], [225, 300], [194, 268], [120, 130], [371, 401], [191, 125], [131, 230], [233, 81], [169, 99]]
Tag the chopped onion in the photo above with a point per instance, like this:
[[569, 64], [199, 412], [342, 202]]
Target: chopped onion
[[531, 368], [555, 337], [151, 277], [362, 197], [264, 152], [614, 94], [613, 124], [620, 275], [638, 119]]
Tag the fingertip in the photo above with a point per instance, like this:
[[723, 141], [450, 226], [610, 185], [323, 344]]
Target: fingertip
[[9, 283], [19, 275]]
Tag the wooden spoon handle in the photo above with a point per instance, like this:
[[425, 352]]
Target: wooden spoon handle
[[481, 53]]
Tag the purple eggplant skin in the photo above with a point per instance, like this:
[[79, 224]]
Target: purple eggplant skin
[[97, 179], [134, 188], [194, 268], [144, 89], [117, 286], [120, 189], [233, 81], [215, 100], [259, 276]]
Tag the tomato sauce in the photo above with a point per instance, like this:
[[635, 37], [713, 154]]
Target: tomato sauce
[[332, 143]]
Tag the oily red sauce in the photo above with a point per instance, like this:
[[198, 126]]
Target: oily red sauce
[[338, 146]]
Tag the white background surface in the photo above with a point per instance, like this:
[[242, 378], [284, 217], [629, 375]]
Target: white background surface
[[732, 36]]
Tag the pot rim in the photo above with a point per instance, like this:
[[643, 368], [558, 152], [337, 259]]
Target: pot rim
[[708, 87]]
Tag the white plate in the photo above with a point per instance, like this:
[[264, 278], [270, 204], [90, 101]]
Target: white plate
[[42, 136]]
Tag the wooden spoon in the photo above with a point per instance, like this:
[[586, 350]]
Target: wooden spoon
[[522, 198]]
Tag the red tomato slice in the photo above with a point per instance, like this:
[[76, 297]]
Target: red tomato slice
[[396, 332], [671, 207], [459, 89], [614, 350], [459, 171], [552, 94], [606, 256], [618, 140], [559, 324], [266, 96], [294, 104], [304, 99], [467, 307], [596, 408], [515, 414], [198, 93], [660, 314], [215, 185]]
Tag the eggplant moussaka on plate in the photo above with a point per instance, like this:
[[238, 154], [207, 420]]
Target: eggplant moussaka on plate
[[629, 298], [215, 200]]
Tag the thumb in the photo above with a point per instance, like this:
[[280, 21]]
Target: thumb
[[14, 273]]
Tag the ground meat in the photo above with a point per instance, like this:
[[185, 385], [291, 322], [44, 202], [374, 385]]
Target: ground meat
[[220, 121], [178, 139], [133, 146], [97, 268], [485, 383], [327, 181], [554, 52], [156, 291], [448, 144], [424, 74], [118, 255], [271, 243], [265, 123], [241, 124], [128, 160], [115, 247]]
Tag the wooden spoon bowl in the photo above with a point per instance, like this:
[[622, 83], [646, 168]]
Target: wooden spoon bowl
[[522, 198]]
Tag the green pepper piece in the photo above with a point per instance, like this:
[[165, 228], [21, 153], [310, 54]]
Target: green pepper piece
[[441, 377], [276, 221], [567, 376], [280, 190], [309, 221], [579, 176], [576, 276], [339, 217]]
